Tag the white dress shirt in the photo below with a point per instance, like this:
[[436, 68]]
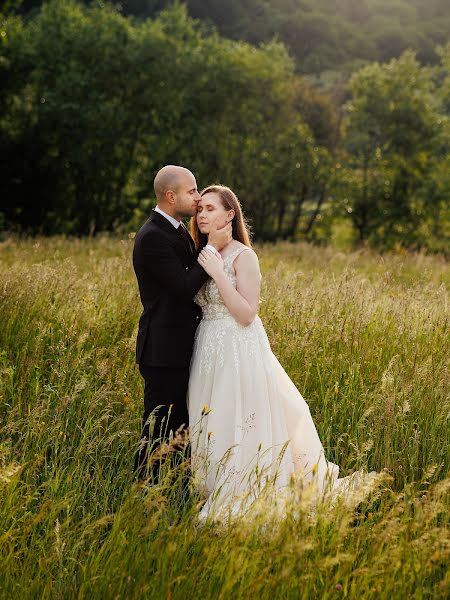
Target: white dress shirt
[[176, 224]]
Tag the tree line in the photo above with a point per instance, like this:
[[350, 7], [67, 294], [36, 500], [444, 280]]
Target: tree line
[[92, 103], [320, 34]]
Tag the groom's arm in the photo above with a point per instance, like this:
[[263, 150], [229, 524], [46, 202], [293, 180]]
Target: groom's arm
[[162, 263]]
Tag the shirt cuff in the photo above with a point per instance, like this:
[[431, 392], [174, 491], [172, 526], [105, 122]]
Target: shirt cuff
[[211, 249]]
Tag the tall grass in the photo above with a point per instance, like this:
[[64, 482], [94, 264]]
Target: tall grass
[[364, 337]]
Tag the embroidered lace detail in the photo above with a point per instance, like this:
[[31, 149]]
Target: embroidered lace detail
[[221, 338], [249, 423], [209, 298], [218, 328]]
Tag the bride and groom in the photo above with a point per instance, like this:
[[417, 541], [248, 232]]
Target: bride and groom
[[205, 357]]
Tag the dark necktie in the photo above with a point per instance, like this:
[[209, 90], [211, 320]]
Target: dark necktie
[[185, 235]]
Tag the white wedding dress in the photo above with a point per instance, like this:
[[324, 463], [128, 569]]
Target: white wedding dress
[[247, 419]]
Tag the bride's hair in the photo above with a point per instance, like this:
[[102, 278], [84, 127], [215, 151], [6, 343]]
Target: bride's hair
[[240, 229]]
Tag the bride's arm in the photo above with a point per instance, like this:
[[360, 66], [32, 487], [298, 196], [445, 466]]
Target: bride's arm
[[242, 301]]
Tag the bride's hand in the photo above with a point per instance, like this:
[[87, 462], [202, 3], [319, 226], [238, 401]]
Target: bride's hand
[[212, 263]]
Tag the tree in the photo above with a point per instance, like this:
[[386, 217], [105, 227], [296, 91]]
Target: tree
[[391, 133], [96, 103], [81, 93], [320, 34]]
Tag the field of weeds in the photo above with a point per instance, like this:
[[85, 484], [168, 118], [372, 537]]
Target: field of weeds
[[365, 338]]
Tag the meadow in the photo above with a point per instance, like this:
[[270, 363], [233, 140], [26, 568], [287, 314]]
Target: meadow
[[364, 337]]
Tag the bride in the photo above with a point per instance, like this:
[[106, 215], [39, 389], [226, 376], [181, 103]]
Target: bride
[[248, 422]]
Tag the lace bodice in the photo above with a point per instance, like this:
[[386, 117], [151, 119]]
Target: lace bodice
[[209, 298]]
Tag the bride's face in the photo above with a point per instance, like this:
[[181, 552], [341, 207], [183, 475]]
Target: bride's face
[[211, 211]]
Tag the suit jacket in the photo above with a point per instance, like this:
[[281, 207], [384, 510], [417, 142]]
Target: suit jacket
[[168, 276]]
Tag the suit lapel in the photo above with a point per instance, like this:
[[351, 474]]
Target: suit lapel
[[191, 241], [164, 224]]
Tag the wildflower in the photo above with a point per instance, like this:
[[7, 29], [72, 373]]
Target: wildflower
[[338, 587], [314, 469], [205, 409], [209, 435]]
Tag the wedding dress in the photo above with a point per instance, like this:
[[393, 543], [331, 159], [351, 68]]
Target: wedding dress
[[248, 422]]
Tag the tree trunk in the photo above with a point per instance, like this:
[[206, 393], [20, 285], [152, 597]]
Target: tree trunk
[[360, 215], [290, 233], [281, 215], [316, 211]]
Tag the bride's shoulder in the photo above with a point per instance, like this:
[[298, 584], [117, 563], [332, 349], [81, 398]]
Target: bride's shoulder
[[240, 247], [245, 255]]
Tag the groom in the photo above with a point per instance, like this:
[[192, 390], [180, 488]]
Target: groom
[[169, 276]]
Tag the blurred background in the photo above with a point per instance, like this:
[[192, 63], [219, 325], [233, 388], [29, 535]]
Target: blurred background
[[329, 118]]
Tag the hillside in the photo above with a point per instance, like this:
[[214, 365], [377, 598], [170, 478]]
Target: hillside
[[321, 34]]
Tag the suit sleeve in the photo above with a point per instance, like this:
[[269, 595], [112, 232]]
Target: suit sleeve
[[163, 264]]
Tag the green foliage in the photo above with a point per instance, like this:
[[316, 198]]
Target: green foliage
[[7, 6], [321, 35], [96, 104], [363, 337], [324, 34], [395, 139]]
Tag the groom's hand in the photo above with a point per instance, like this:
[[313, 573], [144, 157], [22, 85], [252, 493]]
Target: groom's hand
[[219, 238]]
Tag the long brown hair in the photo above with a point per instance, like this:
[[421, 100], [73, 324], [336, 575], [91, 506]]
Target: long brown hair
[[229, 200]]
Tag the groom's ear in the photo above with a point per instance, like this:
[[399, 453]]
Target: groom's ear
[[171, 197]]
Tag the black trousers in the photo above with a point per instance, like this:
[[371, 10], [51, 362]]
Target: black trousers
[[165, 411]]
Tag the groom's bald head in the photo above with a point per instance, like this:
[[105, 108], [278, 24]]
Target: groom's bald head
[[169, 179], [176, 191]]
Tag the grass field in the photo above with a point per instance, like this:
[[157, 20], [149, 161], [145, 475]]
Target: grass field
[[364, 337]]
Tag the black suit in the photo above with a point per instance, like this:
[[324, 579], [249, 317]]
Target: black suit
[[168, 275]]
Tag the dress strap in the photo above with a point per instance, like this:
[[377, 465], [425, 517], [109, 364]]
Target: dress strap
[[235, 253]]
